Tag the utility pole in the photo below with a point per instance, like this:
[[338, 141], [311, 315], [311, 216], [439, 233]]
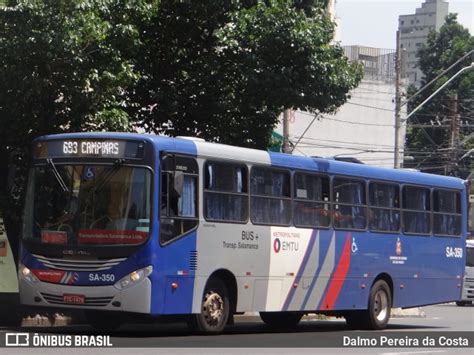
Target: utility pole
[[396, 160], [286, 131], [454, 139]]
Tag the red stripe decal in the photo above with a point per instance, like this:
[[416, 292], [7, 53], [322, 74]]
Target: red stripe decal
[[338, 277]]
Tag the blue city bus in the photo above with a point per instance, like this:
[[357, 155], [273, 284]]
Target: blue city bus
[[123, 225]]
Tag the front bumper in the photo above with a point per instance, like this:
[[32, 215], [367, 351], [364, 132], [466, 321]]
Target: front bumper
[[136, 298]]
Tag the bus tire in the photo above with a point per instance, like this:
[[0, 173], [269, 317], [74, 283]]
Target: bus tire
[[215, 309], [462, 303], [377, 315], [380, 304], [103, 321], [281, 319]]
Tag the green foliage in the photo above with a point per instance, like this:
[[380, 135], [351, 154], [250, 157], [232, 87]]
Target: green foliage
[[225, 70], [64, 66], [222, 70], [429, 145]]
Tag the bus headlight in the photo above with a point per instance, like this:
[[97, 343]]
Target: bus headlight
[[133, 278], [27, 274]]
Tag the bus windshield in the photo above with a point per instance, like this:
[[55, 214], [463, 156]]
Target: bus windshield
[[88, 205]]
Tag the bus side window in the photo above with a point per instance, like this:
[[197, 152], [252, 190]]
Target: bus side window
[[416, 213], [310, 207], [270, 201], [446, 212], [179, 184], [350, 210], [384, 211], [225, 192]]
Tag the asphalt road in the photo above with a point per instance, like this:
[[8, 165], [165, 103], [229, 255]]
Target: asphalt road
[[439, 321]]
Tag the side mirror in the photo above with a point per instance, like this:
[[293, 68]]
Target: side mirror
[[178, 181]]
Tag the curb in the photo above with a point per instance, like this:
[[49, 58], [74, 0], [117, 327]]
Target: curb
[[56, 320], [416, 312]]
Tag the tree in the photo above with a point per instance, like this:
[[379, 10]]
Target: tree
[[224, 70], [64, 66], [431, 144]]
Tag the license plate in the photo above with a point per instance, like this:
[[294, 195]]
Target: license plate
[[74, 299]]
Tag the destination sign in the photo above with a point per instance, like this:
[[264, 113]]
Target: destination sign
[[89, 148], [93, 148]]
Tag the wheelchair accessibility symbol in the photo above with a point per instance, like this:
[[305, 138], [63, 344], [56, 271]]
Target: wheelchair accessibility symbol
[[89, 173], [354, 246]]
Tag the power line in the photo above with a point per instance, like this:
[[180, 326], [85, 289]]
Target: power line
[[314, 145], [449, 99], [429, 126], [345, 121], [361, 87], [347, 142], [368, 106], [429, 114], [367, 90], [427, 136], [359, 123], [364, 147], [438, 76], [371, 98]]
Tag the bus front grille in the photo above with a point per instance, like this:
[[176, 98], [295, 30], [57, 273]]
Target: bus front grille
[[78, 265], [88, 301]]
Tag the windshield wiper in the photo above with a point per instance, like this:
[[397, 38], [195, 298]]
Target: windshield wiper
[[56, 174]]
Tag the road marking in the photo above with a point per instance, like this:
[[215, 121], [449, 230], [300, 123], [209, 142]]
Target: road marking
[[416, 352]]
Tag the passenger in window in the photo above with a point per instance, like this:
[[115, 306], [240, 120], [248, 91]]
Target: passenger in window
[[343, 217], [169, 199]]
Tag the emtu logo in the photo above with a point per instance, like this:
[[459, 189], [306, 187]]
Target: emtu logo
[[276, 245]]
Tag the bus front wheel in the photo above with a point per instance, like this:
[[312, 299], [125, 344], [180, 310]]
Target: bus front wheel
[[377, 315], [215, 309]]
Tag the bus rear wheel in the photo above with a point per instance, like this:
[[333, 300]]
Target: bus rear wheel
[[377, 315], [215, 309], [281, 319]]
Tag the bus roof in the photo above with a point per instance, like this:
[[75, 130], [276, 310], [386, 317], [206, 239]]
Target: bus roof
[[255, 156]]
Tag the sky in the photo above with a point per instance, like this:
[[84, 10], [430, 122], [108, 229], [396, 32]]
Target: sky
[[374, 23]]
